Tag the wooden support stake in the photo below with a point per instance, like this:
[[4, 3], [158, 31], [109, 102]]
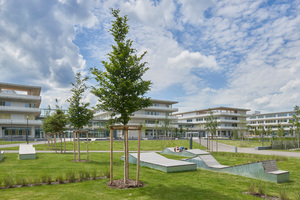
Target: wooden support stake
[[87, 147], [74, 145], [138, 158], [55, 142], [78, 144], [127, 153], [111, 155]]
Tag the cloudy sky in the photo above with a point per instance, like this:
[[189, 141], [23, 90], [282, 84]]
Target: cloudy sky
[[201, 53]]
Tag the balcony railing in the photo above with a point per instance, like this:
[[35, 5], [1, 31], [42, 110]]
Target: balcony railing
[[158, 108], [20, 96], [21, 122], [139, 116], [19, 109]]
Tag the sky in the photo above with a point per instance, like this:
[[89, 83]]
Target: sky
[[201, 53]]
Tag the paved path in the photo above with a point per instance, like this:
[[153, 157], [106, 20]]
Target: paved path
[[229, 148]]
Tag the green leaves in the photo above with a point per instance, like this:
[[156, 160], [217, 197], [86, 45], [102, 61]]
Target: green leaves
[[79, 114], [121, 88]]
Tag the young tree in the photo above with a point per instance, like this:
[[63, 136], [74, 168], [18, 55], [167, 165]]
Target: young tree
[[79, 114], [296, 123], [211, 125], [55, 122], [121, 89]]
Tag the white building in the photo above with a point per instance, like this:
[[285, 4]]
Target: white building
[[153, 118], [227, 119], [19, 110], [271, 121]]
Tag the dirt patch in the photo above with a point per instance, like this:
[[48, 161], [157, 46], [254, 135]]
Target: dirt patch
[[263, 196], [119, 184]]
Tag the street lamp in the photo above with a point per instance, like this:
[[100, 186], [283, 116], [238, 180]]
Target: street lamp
[[27, 131], [11, 130]]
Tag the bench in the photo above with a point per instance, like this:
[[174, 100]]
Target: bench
[[26, 152], [270, 167]]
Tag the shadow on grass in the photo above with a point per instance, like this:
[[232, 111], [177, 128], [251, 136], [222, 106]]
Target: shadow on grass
[[184, 192]]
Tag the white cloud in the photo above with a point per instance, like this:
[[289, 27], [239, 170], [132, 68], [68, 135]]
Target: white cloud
[[36, 46]]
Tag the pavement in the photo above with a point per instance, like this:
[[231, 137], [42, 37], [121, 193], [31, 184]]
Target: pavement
[[228, 148], [219, 147]]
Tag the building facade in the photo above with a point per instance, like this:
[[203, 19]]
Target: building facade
[[270, 121], [227, 119], [155, 119], [19, 111]]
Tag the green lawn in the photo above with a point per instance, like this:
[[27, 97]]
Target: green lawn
[[146, 145], [13, 142], [200, 184], [246, 143]]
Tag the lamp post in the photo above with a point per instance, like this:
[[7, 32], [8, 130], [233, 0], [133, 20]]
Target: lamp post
[[11, 130], [27, 131]]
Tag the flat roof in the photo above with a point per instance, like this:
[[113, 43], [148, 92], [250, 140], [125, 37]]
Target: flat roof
[[10, 86], [163, 101], [215, 108], [271, 113]]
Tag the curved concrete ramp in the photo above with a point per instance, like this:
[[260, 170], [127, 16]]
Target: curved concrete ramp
[[265, 170], [186, 153], [159, 162]]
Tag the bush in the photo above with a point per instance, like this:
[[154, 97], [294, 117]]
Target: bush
[[70, 176]]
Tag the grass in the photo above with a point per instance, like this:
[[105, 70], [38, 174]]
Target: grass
[[246, 143], [146, 145], [200, 184], [11, 142]]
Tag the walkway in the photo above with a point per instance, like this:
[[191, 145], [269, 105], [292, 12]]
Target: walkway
[[229, 148]]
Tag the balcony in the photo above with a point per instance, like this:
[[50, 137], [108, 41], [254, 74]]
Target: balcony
[[20, 97], [20, 122], [158, 108], [139, 116], [19, 109]]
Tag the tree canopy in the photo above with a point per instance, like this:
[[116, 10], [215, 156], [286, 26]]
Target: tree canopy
[[121, 89], [79, 114]]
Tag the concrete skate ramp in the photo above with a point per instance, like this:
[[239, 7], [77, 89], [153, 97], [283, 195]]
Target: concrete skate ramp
[[186, 153], [264, 170], [159, 162]]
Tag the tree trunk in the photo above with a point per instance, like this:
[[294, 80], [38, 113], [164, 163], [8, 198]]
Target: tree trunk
[[87, 146], [125, 157], [127, 152], [78, 141], [74, 145], [52, 141], [60, 143], [55, 142], [111, 156], [138, 158], [48, 140], [64, 142]]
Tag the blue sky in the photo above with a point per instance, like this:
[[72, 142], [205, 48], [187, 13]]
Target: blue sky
[[201, 53]]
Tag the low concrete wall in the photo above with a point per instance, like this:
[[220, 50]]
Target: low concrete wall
[[251, 170]]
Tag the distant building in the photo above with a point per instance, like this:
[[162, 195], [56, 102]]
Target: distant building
[[19, 111], [228, 119], [153, 118], [271, 121]]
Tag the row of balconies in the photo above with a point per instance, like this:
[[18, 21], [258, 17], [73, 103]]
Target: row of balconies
[[207, 115], [158, 108], [19, 109], [8, 96], [20, 122]]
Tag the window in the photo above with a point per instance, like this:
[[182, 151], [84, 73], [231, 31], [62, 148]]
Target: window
[[4, 103], [189, 120]]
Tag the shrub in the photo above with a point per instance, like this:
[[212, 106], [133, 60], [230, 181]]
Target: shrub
[[60, 179], [94, 174], [70, 176], [81, 175], [283, 194], [252, 189], [8, 182]]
